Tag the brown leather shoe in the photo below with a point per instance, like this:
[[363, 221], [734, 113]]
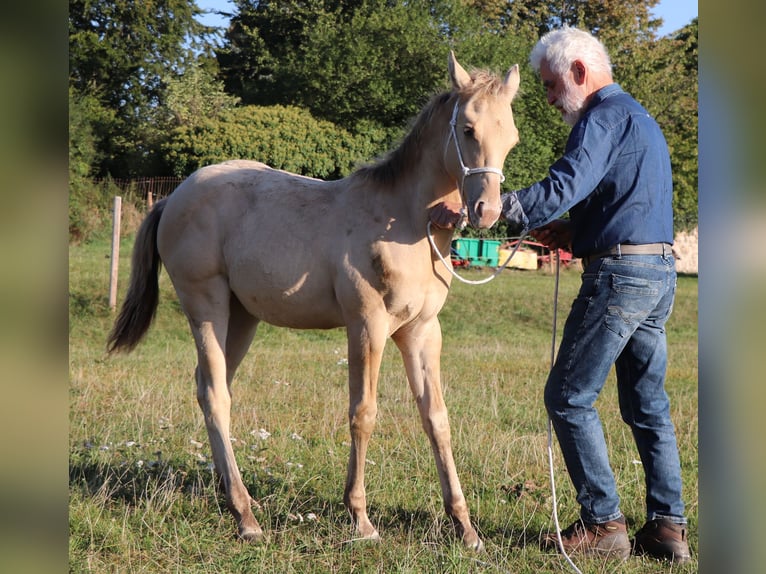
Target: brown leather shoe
[[664, 539], [609, 539]]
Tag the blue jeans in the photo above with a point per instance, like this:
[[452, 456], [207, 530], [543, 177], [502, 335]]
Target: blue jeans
[[618, 319]]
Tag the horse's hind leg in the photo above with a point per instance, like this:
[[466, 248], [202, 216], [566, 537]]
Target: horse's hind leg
[[242, 327], [209, 316], [420, 346]]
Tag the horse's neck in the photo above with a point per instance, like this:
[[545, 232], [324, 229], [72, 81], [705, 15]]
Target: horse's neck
[[416, 178], [428, 181]]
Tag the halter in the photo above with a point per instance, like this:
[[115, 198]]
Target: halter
[[466, 171]]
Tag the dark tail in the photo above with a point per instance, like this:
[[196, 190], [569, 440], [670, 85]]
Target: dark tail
[[140, 305]]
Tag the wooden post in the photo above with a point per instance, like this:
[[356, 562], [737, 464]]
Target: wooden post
[[115, 263], [150, 195]]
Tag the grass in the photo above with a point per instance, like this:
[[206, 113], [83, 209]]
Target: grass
[[143, 497]]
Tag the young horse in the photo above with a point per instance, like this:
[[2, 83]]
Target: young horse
[[359, 258]]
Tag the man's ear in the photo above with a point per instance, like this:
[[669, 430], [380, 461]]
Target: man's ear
[[579, 72]]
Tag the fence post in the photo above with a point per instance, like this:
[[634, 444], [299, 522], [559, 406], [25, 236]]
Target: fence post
[[115, 262], [150, 195]]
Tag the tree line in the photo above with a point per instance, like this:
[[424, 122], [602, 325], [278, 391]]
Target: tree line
[[318, 86]]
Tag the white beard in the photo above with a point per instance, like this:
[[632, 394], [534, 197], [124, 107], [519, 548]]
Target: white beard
[[571, 104]]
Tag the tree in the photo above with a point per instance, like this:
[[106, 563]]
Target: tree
[[194, 96], [675, 105], [660, 72], [120, 51], [345, 61]]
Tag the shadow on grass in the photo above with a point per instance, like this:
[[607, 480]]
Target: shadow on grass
[[111, 479]]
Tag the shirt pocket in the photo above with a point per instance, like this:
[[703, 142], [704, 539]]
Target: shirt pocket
[[631, 301]]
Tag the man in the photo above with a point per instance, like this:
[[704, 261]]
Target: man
[[615, 180]]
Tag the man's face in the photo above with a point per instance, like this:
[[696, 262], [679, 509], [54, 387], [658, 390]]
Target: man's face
[[563, 93]]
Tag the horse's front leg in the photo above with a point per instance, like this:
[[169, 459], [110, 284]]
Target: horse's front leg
[[420, 346], [365, 349]]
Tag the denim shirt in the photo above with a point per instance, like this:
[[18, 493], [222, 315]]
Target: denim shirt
[[614, 178]]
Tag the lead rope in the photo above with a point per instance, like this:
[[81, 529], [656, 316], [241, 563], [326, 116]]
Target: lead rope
[[553, 359], [550, 424], [472, 281]]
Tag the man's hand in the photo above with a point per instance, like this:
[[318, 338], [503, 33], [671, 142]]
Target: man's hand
[[555, 235], [447, 215]]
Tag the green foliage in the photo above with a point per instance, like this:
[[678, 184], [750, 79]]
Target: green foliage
[[283, 137], [344, 61], [193, 96], [85, 113], [384, 62], [150, 101], [120, 51]]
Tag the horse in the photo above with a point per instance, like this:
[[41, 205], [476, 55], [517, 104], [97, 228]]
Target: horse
[[243, 243]]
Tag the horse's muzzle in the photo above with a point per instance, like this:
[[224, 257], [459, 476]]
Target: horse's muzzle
[[484, 216]]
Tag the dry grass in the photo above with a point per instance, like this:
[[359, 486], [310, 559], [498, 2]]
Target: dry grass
[[143, 496]]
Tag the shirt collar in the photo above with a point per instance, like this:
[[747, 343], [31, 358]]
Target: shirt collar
[[604, 93]]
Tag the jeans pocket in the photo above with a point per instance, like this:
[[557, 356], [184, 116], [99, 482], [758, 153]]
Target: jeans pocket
[[631, 301]]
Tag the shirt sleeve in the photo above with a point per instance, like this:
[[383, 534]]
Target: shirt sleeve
[[573, 177]]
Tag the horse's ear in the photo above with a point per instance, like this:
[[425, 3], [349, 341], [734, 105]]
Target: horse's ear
[[460, 78], [512, 80]]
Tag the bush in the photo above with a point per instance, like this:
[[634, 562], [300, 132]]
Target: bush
[[90, 209], [283, 137]]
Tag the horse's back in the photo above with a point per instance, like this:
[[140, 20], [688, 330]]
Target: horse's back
[[262, 232], [296, 251], [224, 201]]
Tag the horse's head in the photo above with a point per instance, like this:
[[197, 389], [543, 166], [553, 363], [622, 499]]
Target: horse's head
[[482, 132]]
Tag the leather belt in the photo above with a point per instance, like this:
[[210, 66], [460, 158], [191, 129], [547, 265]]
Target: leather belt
[[663, 249]]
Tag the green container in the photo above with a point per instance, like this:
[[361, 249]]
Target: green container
[[479, 252], [489, 255], [469, 249]]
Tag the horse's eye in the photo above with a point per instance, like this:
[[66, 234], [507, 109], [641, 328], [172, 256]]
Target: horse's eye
[[468, 131]]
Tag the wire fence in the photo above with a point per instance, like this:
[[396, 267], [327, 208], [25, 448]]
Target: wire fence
[[148, 189]]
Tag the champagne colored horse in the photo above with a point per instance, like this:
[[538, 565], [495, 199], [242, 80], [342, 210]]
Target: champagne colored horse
[[244, 243]]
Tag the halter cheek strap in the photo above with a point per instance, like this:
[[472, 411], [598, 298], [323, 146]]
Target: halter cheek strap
[[466, 171]]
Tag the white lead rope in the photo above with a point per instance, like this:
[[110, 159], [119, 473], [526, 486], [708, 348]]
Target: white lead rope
[[466, 171], [470, 281], [550, 425], [553, 359]]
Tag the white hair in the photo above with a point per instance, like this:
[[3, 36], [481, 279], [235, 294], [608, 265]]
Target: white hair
[[559, 48]]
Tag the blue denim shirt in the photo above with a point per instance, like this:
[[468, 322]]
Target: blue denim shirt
[[614, 178]]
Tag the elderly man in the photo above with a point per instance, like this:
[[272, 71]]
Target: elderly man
[[615, 181]]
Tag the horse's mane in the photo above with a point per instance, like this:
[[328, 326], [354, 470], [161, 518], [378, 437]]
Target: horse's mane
[[387, 168]]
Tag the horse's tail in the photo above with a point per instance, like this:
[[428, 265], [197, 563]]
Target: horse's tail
[[140, 305]]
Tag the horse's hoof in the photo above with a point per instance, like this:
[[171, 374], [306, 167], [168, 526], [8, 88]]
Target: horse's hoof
[[369, 536], [251, 535], [473, 542]]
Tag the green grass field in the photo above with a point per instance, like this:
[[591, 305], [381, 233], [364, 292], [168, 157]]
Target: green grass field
[[143, 496]]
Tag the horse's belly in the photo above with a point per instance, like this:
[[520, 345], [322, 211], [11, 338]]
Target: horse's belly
[[298, 306]]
